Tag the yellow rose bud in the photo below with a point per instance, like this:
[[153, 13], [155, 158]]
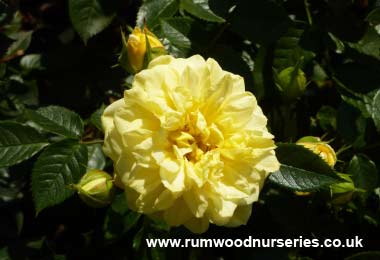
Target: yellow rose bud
[[95, 188], [325, 151], [138, 52]]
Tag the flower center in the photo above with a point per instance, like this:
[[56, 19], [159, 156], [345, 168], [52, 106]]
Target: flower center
[[192, 140]]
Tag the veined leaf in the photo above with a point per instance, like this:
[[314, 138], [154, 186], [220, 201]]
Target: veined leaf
[[153, 10], [368, 104], [58, 120], [57, 167], [176, 30], [300, 180], [369, 44], [200, 9], [89, 17], [18, 143], [21, 43], [363, 172], [301, 157]]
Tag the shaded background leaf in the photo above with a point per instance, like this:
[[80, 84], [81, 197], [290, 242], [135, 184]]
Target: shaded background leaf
[[363, 172], [89, 17], [259, 21]]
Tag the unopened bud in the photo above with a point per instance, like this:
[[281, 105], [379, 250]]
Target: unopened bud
[[96, 188], [342, 187], [291, 82], [325, 151], [139, 49]]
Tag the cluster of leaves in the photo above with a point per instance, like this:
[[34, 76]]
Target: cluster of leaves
[[313, 66]]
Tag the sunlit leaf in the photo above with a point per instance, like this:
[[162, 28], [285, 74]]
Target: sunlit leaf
[[58, 120], [297, 179], [59, 166], [152, 11], [18, 143], [200, 9]]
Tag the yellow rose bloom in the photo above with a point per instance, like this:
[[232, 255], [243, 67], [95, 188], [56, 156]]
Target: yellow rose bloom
[[189, 144]]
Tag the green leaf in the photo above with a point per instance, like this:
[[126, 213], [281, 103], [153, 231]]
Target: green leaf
[[368, 104], [96, 117], [138, 238], [327, 118], [176, 31], [58, 120], [156, 252], [376, 110], [32, 62], [159, 225], [89, 17], [374, 16], [200, 9], [301, 157], [37, 243], [259, 21], [339, 46], [4, 254], [260, 74], [369, 44], [59, 166], [119, 204], [119, 219], [96, 158], [18, 143], [363, 172], [21, 43], [60, 257], [319, 75], [288, 51], [9, 185], [300, 180], [153, 10]]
